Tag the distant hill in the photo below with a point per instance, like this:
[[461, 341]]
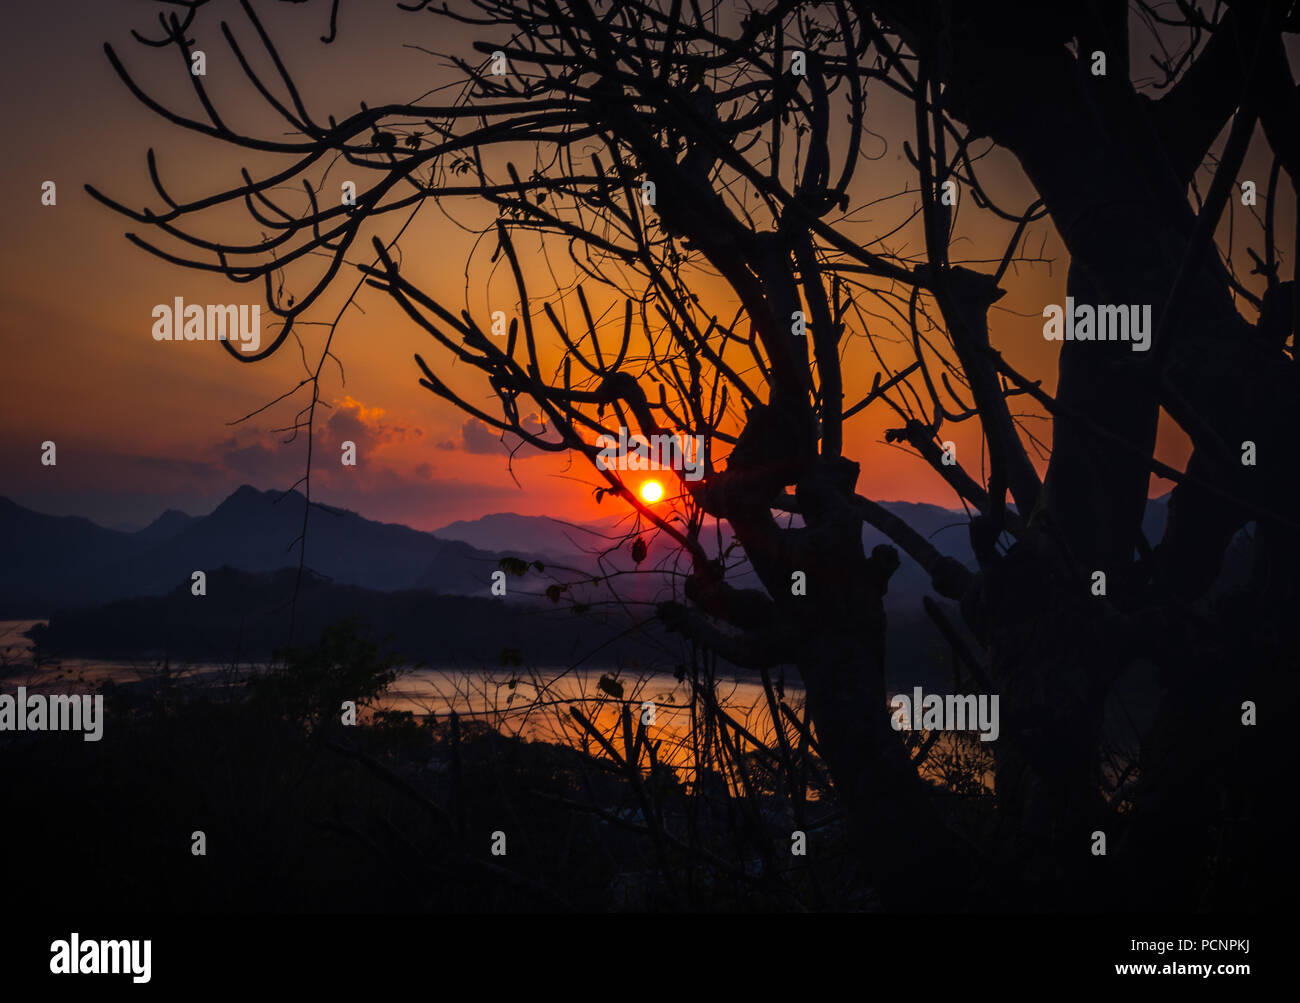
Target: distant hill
[[576, 544], [244, 617], [127, 594], [536, 536], [170, 524], [52, 562], [45, 559]]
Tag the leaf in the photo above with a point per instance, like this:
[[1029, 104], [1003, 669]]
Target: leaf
[[513, 566], [611, 686], [638, 550], [553, 592]]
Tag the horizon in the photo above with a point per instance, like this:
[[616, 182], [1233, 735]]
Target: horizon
[[131, 528]]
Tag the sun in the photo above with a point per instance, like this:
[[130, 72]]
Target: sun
[[651, 492]]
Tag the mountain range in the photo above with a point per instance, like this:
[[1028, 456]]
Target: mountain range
[[48, 563], [110, 593]]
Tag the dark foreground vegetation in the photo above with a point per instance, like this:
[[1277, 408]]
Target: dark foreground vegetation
[[400, 813], [301, 813]]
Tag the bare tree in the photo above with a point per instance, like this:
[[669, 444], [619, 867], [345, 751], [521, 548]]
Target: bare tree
[[662, 143]]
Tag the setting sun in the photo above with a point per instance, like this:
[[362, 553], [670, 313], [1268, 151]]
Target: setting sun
[[651, 491]]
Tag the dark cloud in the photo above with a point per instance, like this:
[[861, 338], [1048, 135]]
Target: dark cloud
[[475, 437], [259, 464]]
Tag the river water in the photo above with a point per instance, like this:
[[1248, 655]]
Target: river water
[[533, 704]]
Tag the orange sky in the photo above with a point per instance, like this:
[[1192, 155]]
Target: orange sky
[[142, 426]]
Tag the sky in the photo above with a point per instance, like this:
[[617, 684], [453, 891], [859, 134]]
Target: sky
[[141, 426]]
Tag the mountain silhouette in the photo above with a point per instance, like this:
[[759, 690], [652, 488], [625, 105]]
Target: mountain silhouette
[[168, 525], [114, 593], [244, 616], [57, 562], [534, 535]]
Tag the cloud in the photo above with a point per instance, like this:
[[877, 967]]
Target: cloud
[[478, 438], [84, 464], [350, 420], [263, 457], [396, 477], [256, 463], [475, 437]]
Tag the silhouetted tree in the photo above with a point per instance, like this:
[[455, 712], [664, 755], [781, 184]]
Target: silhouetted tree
[[748, 129]]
